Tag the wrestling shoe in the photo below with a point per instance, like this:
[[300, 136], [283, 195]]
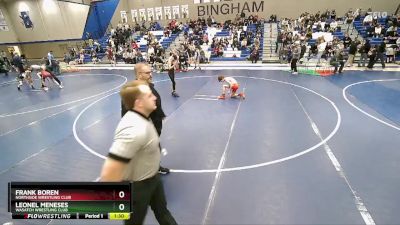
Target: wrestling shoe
[[222, 97], [174, 94], [163, 170]]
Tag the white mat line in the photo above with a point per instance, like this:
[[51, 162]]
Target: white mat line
[[362, 209], [213, 192], [207, 99], [211, 96]]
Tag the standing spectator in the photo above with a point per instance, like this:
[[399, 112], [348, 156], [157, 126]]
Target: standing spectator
[[347, 41], [172, 60], [338, 59], [296, 50], [67, 58], [93, 55], [364, 49], [3, 67], [303, 49], [50, 58], [381, 51], [196, 58], [349, 20], [254, 55], [135, 155], [352, 53], [111, 56], [390, 50], [372, 57], [3, 55], [321, 49]]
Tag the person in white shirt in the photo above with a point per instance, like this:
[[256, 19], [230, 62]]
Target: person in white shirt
[[50, 57], [378, 31], [231, 84], [196, 58], [333, 25], [321, 49], [367, 20], [134, 155]]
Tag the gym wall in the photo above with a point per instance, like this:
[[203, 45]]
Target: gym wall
[[225, 10], [7, 36], [52, 21]]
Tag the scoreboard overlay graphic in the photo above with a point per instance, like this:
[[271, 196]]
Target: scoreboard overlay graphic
[[70, 200]]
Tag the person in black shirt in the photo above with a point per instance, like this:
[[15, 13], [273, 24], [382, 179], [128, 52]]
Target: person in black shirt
[[372, 57], [143, 72], [20, 64], [338, 59], [352, 53], [364, 52], [3, 67], [346, 40], [381, 53]]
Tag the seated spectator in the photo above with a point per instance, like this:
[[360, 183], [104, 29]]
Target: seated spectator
[[398, 42], [125, 56], [235, 44], [93, 55], [130, 56], [368, 20], [205, 38], [183, 61], [243, 44], [67, 58], [150, 50], [167, 32], [333, 26], [158, 64], [81, 57], [391, 30], [346, 40], [254, 55], [202, 56], [370, 30], [220, 51], [256, 42], [139, 56], [378, 31], [273, 18], [284, 54], [318, 27]]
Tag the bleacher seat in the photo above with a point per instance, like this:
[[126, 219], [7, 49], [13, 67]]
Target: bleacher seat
[[229, 53]]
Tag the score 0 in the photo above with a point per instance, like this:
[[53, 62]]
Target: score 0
[[123, 195]]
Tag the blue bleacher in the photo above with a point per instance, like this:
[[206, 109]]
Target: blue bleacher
[[244, 53]]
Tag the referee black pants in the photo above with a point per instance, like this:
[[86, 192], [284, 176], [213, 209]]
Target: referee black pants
[[149, 192]]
